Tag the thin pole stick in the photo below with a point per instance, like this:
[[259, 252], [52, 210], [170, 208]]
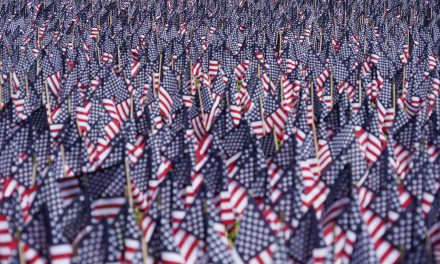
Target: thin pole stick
[[315, 136], [144, 249], [320, 42], [262, 114], [26, 83], [160, 65], [200, 97], [128, 178], [47, 96], [20, 249], [10, 83], [394, 95], [63, 159], [258, 70], [360, 87], [34, 170], [1, 98], [275, 140], [331, 87], [404, 68]]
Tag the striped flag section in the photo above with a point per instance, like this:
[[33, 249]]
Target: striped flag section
[[330, 216], [54, 83], [7, 243], [131, 247], [239, 197], [31, 256], [165, 103], [61, 254], [434, 238], [187, 244], [370, 145], [343, 246], [147, 226], [265, 256], [376, 228], [82, 116], [403, 160], [106, 208], [19, 104], [69, 188]]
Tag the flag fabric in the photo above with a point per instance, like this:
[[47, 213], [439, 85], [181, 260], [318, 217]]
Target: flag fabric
[[219, 131]]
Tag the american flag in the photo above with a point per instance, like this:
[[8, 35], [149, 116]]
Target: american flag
[[219, 132]]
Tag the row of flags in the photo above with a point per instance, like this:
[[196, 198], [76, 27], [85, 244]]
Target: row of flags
[[250, 131]]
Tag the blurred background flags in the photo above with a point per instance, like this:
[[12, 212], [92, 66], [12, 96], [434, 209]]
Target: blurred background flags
[[219, 132]]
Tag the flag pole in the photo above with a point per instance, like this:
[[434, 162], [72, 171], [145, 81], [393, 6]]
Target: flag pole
[[20, 249], [227, 101], [63, 159], [47, 96], [262, 115], [127, 173], [315, 136], [197, 82], [1, 98], [360, 87], [34, 170], [394, 95], [26, 83], [128, 178], [331, 87], [160, 65], [320, 41], [10, 82], [404, 68]]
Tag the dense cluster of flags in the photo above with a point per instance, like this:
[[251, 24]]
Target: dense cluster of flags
[[203, 131]]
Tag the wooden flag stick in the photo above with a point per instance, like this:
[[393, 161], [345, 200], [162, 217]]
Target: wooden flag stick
[[129, 190], [258, 70], [63, 159], [10, 82], [160, 65], [331, 87], [227, 100], [1, 98], [119, 56], [262, 114], [275, 140], [69, 104], [131, 106], [314, 41], [47, 96], [394, 95], [26, 85], [315, 135], [360, 87], [34, 170], [404, 70], [404, 80], [200, 97], [131, 204], [144, 249], [320, 41], [98, 51], [128, 179], [20, 249]]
